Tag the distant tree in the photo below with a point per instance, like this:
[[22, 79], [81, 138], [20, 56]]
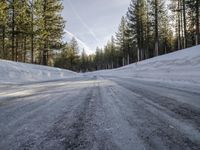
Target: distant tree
[[72, 54], [122, 40], [99, 59], [83, 61], [112, 52]]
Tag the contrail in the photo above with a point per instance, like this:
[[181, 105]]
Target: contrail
[[80, 42], [83, 22]]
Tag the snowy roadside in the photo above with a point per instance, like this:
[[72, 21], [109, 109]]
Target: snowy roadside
[[14, 72], [179, 67]]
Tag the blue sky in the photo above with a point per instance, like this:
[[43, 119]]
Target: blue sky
[[93, 22]]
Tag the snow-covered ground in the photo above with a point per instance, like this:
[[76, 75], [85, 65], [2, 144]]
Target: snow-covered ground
[[122, 109], [181, 66], [14, 72]]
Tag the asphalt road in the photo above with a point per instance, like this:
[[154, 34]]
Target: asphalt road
[[99, 113]]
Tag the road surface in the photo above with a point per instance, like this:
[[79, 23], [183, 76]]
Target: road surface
[[100, 113]]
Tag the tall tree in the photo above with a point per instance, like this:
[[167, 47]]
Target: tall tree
[[197, 3], [184, 24], [32, 10], [50, 25], [3, 25], [12, 6], [83, 61], [72, 54], [22, 24], [138, 23], [156, 29], [112, 52], [122, 39]]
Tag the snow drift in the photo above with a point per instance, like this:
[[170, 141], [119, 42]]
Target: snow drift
[[183, 66], [14, 72]]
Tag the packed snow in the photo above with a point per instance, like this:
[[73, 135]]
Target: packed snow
[[15, 72], [180, 66]]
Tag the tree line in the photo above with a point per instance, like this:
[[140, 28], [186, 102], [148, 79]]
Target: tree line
[[30, 30], [152, 28], [149, 29]]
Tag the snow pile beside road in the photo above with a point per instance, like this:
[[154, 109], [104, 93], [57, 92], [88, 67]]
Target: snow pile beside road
[[183, 66], [14, 72]]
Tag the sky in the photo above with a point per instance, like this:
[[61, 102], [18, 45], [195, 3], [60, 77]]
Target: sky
[[93, 22]]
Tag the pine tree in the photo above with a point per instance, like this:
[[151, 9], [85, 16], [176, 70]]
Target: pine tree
[[22, 24], [99, 60], [12, 24], [72, 54], [197, 39], [3, 26], [185, 24], [138, 23], [83, 61], [122, 39], [32, 31], [50, 25], [156, 28], [113, 52]]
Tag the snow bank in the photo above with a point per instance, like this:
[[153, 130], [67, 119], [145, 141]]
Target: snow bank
[[14, 72], [183, 66]]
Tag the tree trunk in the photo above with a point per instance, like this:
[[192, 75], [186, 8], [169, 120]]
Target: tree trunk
[[32, 36], [147, 33], [13, 29], [156, 29], [179, 27], [197, 22], [138, 54], [185, 25], [24, 59], [44, 55], [165, 46], [128, 59], [112, 65], [16, 50], [3, 44], [45, 45]]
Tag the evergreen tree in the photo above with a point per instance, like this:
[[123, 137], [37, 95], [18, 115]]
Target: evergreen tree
[[22, 25], [72, 54], [112, 52], [197, 6], [50, 25], [3, 26], [83, 61], [138, 25], [122, 40]]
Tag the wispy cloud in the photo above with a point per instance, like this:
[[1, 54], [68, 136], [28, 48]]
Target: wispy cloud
[[94, 21], [83, 22], [81, 44]]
